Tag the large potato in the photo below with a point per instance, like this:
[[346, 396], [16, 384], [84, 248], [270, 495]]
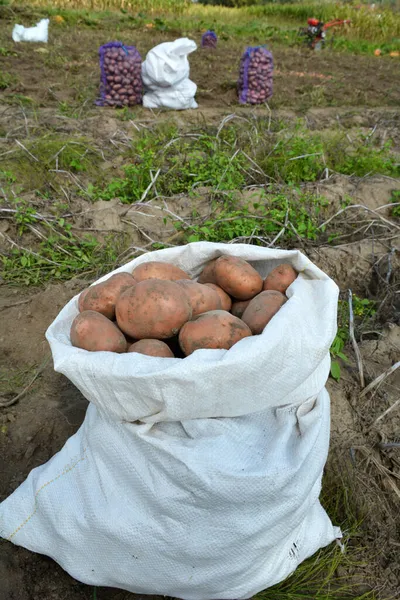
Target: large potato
[[237, 277], [158, 270], [103, 297], [280, 278], [214, 329], [201, 297], [152, 348], [92, 331], [226, 300], [153, 309], [208, 273], [239, 307], [261, 309], [81, 299]]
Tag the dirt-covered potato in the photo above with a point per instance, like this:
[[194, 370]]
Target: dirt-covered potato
[[261, 309], [214, 329], [239, 307], [158, 270], [152, 348], [81, 299], [208, 273], [92, 331], [226, 300], [237, 277], [102, 297], [201, 297], [280, 278], [153, 308]]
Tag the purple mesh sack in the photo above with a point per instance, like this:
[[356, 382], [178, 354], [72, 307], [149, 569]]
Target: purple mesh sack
[[209, 39], [255, 78], [120, 75]]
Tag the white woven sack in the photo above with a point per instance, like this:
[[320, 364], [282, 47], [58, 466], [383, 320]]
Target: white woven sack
[[167, 64], [196, 478], [38, 33], [179, 97]]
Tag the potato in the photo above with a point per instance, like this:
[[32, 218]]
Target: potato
[[208, 273], [152, 348], [92, 331], [201, 297], [81, 299], [153, 309], [158, 270], [102, 297], [280, 278], [226, 301], [261, 309], [237, 277], [213, 329], [239, 307]]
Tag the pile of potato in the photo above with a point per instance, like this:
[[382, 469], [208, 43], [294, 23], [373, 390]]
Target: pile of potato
[[121, 75], [255, 76], [159, 310]]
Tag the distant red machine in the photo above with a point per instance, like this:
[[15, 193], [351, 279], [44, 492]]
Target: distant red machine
[[315, 32]]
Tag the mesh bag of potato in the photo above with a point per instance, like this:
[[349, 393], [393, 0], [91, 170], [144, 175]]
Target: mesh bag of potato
[[209, 39], [120, 75], [195, 477], [255, 76]]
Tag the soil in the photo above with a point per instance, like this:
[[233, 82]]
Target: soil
[[357, 93]]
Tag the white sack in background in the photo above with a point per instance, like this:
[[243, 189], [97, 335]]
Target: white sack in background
[[159, 492], [165, 75], [39, 33], [179, 97]]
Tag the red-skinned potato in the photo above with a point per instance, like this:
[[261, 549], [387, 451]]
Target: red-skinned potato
[[92, 331], [153, 308], [239, 307], [81, 299], [214, 329], [226, 300], [208, 273], [280, 278], [151, 348], [102, 297], [237, 277], [201, 297], [261, 309], [158, 270]]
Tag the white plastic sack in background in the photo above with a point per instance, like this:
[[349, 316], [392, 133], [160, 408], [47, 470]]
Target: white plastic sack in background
[[165, 75], [39, 33], [196, 478], [179, 97]]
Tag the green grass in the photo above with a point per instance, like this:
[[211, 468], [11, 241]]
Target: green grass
[[7, 80], [178, 163], [59, 254]]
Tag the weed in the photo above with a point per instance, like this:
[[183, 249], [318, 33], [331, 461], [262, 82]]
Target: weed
[[60, 254], [6, 80], [181, 164], [7, 52], [260, 221], [395, 199], [363, 309]]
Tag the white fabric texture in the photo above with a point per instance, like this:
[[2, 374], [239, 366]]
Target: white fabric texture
[[195, 478], [38, 33], [165, 75]]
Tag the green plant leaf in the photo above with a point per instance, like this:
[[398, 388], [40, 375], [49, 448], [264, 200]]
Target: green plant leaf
[[335, 370]]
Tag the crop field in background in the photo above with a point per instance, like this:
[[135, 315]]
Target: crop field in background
[[85, 189]]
